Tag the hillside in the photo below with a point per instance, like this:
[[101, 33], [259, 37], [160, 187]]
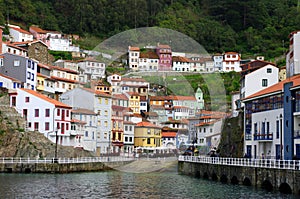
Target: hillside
[[252, 27]]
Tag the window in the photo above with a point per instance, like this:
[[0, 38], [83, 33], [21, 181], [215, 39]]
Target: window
[[264, 82], [36, 126], [28, 75], [277, 129], [47, 112], [105, 123], [67, 112], [46, 126], [148, 141], [126, 139], [269, 70], [86, 134], [36, 112], [58, 112], [26, 99], [67, 126], [16, 63], [106, 101]]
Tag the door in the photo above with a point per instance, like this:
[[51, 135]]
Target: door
[[1, 84], [249, 154], [298, 151], [278, 151], [63, 115], [62, 130], [25, 114], [255, 151]]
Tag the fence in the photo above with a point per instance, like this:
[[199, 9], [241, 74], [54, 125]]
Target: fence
[[12, 160], [244, 162]]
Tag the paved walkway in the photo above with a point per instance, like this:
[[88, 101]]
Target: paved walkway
[[146, 165]]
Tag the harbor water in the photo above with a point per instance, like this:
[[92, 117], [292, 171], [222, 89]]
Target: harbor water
[[117, 184]]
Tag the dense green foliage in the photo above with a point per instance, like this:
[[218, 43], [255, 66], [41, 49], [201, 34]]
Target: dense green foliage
[[251, 27]]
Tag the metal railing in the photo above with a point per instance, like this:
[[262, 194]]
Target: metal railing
[[13, 160], [244, 162]]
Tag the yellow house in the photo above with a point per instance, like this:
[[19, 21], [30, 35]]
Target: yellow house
[[147, 135], [134, 101], [40, 86]]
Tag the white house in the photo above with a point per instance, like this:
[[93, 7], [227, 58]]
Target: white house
[[115, 82], [181, 64], [92, 68], [257, 78], [148, 61], [9, 82], [218, 62], [18, 34], [231, 62], [45, 115], [84, 128], [101, 104], [293, 56], [133, 57]]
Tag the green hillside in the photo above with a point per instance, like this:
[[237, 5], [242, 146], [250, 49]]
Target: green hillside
[[252, 27]]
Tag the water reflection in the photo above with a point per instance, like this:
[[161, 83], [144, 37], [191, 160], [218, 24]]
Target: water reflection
[[116, 184]]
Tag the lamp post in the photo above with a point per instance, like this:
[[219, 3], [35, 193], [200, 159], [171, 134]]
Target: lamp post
[[56, 138]]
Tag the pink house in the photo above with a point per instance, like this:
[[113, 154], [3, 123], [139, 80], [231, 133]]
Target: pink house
[[164, 53]]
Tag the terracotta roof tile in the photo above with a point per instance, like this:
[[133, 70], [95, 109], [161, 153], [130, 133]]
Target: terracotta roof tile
[[147, 124], [21, 30], [43, 97], [83, 111], [168, 134]]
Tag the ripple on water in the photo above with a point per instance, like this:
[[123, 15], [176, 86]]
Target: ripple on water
[[117, 184]]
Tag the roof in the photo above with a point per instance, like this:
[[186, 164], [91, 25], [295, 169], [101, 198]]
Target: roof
[[149, 55], [118, 108], [168, 134], [147, 124], [120, 96], [14, 46], [177, 97], [12, 79], [163, 46], [20, 30], [96, 92], [44, 97], [133, 79], [206, 123], [133, 48], [78, 121], [37, 29], [275, 88], [180, 59], [64, 79], [83, 111], [64, 69], [44, 66]]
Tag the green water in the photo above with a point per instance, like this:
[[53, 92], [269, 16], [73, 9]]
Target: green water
[[116, 184]]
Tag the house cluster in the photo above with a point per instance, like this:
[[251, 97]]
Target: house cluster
[[270, 101], [114, 114], [162, 58]]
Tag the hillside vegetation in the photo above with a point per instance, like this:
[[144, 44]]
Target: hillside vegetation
[[251, 27]]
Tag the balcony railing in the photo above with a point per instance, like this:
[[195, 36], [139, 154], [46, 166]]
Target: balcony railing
[[244, 162], [263, 136]]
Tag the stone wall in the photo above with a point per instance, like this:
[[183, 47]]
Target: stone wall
[[283, 180]]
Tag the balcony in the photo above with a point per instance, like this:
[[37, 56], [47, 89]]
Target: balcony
[[263, 137], [296, 134], [248, 136]]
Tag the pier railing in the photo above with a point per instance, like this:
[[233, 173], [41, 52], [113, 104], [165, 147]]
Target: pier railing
[[14, 160], [245, 162]]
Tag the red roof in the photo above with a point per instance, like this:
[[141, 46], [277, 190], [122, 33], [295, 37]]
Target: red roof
[[64, 69], [21, 30], [146, 124], [149, 55], [83, 111], [78, 121], [43, 97], [38, 30], [132, 48], [168, 134], [180, 59], [120, 96]]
